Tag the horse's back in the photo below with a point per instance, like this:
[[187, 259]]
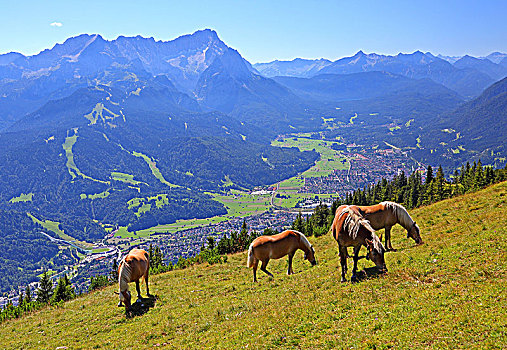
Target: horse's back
[[371, 209], [138, 259], [275, 246]]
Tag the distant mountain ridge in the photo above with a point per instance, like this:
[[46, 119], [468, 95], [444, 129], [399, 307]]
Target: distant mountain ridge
[[457, 73], [190, 62]]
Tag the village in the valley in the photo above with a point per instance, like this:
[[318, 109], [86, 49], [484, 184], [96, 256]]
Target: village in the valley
[[367, 166]]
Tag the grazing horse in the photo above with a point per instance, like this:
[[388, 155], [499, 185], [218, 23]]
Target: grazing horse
[[132, 268], [277, 246], [386, 215], [349, 228]]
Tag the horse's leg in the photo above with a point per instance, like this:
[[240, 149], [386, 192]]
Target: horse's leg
[[356, 258], [389, 247], [263, 267], [254, 267], [146, 280], [289, 271], [343, 262], [138, 290]]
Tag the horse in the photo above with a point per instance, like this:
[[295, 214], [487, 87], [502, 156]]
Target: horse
[[349, 228], [386, 215], [277, 246], [133, 267]]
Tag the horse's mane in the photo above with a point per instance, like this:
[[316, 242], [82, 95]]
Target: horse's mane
[[304, 240], [124, 275], [402, 215], [353, 223]]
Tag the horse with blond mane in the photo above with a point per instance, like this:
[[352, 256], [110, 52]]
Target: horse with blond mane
[[349, 228], [386, 215], [133, 267], [277, 246]]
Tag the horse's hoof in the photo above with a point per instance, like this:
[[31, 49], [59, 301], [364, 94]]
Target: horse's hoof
[[343, 280], [354, 279]]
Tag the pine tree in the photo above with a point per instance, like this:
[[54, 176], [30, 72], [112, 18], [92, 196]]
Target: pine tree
[[21, 298], [45, 288], [150, 253], [113, 275], [298, 224], [28, 295], [211, 243], [429, 175], [308, 227], [63, 290]]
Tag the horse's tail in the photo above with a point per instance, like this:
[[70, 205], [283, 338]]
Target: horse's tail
[[251, 257]]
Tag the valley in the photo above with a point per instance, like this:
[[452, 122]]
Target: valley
[[107, 150]]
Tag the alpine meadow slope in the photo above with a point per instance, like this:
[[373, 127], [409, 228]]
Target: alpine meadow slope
[[446, 293]]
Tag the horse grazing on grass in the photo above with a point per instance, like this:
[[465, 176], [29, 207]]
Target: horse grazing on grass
[[386, 215], [349, 228], [277, 246], [133, 267]]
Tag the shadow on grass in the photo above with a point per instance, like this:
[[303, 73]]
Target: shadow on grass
[[368, 273], [142, 306]]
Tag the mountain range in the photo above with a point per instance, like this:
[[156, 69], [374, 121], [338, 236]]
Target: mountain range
[[466, 75], [91, 126]]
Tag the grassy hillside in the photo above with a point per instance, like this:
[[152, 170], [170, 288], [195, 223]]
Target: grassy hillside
[[448, 293]]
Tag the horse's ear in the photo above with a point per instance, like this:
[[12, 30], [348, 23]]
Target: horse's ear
[[380, 237]]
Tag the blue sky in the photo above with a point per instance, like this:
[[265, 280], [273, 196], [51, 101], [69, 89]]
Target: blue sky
[[267, 30]]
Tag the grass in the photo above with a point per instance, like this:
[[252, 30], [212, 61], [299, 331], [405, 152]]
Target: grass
[[100, 111], [447, 293], [154, 170], [22, 198], [55, 227], [71, 166], [330, 159], [240, 204], [127, 178], [101, 195]]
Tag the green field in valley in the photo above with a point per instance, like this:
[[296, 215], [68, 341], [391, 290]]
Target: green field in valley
[[55, 227], [448, 293], [329, 159]]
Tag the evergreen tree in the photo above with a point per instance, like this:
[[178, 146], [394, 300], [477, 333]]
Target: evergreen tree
[[429, 175], [63, 290], [308, 227], [150, 252], [298, 224], [45, 288], [28, 295], [21, 298], [113, 275], [211, 243]]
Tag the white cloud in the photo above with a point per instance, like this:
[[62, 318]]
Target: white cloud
[[56, 24]]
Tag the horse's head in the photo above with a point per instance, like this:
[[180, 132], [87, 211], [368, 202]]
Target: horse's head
[[310, 256], [415, 234], [376, 254], [125, 298]]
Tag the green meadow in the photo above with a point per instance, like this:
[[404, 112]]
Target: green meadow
[[448, 293]]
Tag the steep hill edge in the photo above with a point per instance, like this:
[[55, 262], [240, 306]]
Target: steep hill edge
[[447, 293]]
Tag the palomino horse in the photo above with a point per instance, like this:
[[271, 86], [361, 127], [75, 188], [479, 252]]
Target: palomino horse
[[386, 215], [277, 246], [132, 268], [349, 228]]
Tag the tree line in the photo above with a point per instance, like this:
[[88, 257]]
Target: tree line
[[412, 192], [44, 295]]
